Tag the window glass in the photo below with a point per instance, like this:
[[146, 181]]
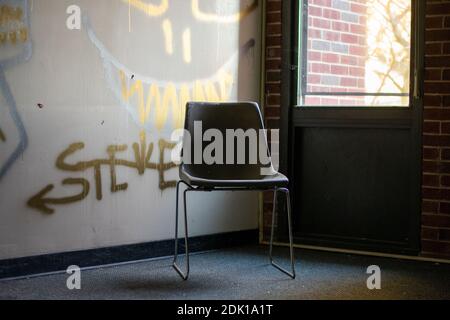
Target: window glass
[[354, 52]]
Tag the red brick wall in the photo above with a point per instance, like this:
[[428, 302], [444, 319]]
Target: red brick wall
[[337, 50], [436, 132], [436, 137]]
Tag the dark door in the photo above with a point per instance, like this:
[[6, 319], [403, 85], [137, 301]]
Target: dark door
[[354, 119]]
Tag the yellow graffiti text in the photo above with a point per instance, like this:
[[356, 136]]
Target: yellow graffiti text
[[10, 14], [13, 37], [141, 163], [14, 30]]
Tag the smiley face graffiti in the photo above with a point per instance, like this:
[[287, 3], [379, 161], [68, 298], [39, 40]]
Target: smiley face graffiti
[[195, 51]]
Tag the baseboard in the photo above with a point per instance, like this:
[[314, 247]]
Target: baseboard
[[362, 253], [42, 264]]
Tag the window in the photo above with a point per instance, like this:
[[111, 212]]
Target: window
[[354, 53]]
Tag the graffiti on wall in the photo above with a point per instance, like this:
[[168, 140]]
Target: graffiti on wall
[[156, 105], [142, 162], [16, 48], [13, 23]]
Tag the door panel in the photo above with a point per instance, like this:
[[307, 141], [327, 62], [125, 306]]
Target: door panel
[[353, 184], [354, 159]]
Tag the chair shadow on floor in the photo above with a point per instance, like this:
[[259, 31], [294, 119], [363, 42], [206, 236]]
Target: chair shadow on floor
[[168, 282], [158, 280]]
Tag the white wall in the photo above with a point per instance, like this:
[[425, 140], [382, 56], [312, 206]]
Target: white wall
[[66, 87]]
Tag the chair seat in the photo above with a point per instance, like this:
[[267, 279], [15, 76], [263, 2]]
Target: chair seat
[[265, 182]]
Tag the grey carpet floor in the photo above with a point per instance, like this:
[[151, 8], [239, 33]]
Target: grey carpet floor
[[244, 273]]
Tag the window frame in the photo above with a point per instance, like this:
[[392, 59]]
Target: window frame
[[301, 46]]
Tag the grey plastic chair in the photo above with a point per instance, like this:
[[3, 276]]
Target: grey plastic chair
[[228, 177]]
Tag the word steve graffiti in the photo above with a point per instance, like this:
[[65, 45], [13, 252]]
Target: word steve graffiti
[[142, 162]]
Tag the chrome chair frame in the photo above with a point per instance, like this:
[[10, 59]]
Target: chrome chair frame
[[185, 275]]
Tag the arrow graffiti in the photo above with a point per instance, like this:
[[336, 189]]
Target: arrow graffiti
[[39, 202], [142, 162]]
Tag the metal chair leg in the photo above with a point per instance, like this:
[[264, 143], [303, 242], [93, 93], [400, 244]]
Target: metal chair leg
[[291, 242], [183, 275]]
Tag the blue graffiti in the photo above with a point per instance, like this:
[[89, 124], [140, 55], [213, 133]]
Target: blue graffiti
[[5, 89], [23, 142]]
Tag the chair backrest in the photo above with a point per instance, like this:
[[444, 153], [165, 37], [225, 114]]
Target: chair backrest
[[238, 117]]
